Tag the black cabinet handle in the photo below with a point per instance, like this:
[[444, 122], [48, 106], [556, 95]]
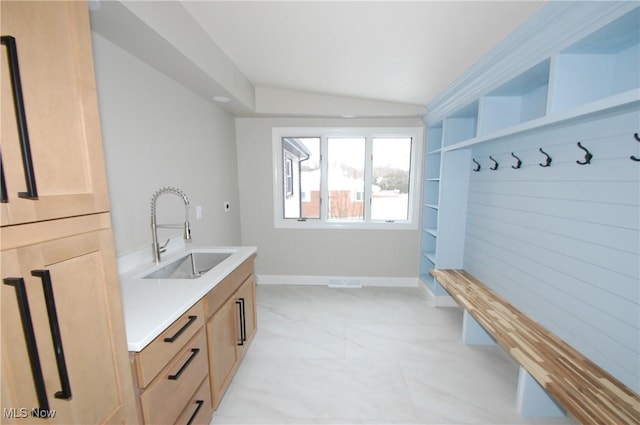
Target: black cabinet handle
[[56, 336], [195, 413], [194, 353], [21, 118], [4, 196], [30, 339], [243, 323], [181, 330]]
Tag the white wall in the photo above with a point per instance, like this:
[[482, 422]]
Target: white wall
[[286, 252], [157, 133]]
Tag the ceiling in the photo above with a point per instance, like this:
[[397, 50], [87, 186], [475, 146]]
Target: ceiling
[[394, 52]]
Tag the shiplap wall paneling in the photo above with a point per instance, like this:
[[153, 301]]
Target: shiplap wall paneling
[[562, 243]]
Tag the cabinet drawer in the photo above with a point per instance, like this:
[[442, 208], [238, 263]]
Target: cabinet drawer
[[156, 355], [198, 411], [223, 290], [168, 395]]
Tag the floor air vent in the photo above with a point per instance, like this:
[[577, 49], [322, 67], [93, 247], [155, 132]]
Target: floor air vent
[[344, 283]]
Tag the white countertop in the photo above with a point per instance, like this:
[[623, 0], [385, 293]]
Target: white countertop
[[151, 305]]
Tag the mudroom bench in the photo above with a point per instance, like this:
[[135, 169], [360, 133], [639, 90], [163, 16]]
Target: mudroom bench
[[552, 373]]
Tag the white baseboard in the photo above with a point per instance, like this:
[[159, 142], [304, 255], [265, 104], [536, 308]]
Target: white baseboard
[[337, 281]]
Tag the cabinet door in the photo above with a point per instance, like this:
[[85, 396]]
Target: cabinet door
[[247, 296], [223, 337], [90, 329], [55, 60]]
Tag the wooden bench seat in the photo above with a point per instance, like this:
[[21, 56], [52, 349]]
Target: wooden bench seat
[[586, 391]]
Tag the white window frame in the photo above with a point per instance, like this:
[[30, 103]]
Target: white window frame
[[288, 179], [417, 142]]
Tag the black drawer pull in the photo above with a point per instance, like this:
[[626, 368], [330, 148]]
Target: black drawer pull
[[243, 335], [194, 353], [30, 339], [21, 118], [56, 336], [195, 413], [240, 304], [182, 329]]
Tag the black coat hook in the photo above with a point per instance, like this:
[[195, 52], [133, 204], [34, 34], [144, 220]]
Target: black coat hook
[[495, 163], [587, 155], [638, 139], [519, 164], [478, 165], [548, 162]]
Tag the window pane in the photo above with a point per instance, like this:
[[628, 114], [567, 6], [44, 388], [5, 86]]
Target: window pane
[[391, 170], [301, 177], [346, 178]]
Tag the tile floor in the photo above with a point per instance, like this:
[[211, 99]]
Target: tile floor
[[367, 356]]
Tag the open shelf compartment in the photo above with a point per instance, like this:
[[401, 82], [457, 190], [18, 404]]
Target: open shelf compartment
[[461, 125], [521, 99], [603, 64]]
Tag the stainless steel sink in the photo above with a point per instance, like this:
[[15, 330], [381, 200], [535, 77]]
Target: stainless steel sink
[[191, 266]]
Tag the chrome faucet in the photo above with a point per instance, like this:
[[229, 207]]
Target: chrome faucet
[[157, 249]]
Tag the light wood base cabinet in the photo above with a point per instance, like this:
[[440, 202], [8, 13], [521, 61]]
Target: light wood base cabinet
[[170, 372], [183, 373], [165, 399], [231, 326]]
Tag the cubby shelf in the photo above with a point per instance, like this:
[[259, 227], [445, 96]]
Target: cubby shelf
[[522, 99], [601, 65], [433, 231], [431, 256], [629, 98]]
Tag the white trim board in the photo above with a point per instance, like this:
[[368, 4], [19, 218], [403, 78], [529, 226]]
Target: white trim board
[[338, 281]]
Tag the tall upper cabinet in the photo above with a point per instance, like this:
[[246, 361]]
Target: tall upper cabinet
[[51, 141], [64, 352], [572, 62]]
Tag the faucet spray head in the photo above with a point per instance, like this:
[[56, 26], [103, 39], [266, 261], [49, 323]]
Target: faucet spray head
[[187, 231]]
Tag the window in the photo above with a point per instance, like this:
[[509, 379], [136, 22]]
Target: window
[[301, 159], [346, 178], [391, 166]]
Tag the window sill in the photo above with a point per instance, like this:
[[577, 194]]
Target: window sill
[[341, 225]]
